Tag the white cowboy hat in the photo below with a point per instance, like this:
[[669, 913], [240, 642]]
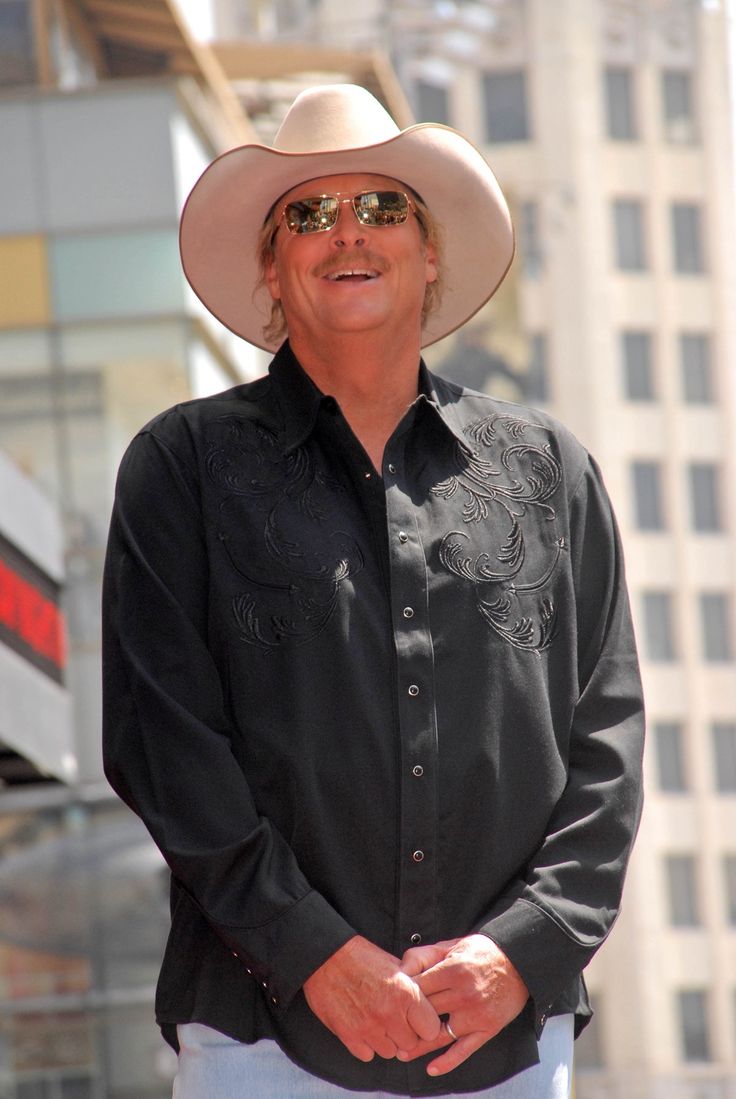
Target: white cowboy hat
[[338, 129]]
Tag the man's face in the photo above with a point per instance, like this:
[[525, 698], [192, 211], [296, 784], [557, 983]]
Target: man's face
[[311, 273]]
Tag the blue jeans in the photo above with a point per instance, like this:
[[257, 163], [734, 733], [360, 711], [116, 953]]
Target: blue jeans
[[213, 1066]]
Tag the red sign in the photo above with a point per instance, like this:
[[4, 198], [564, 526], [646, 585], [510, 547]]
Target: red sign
[[31, 621]]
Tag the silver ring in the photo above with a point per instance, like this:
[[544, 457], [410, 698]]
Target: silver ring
[[451, 1032]]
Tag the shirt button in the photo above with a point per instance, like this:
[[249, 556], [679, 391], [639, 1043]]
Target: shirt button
[[368, 476], [415, 939], [408, 612], [418, 856], [413, 690], [391, 467], [417, 770], [403, 536]]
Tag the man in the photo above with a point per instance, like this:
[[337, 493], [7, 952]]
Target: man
[[370, 677]]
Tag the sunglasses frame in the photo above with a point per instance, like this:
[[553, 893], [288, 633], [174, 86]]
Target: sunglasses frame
[[350, 197]]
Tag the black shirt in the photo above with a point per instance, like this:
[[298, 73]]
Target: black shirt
[[403, 705]]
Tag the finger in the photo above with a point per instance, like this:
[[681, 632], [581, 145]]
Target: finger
[[385, 1047], [438, 978], [423, 1019], [421, 1048], [447, 1001], [419, 958], [357, 1047], [458, 1052]]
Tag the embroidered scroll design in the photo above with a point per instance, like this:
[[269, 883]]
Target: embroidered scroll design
[[509, 489], [301, 556]]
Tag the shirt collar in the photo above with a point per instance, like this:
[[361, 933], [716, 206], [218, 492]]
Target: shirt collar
[[300, 400]]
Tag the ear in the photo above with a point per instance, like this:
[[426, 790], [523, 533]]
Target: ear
[[272, 279], [430, 262]]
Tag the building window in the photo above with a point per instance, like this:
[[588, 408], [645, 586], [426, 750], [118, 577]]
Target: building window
[[695, 364], [536, 379], [17, 55], [432, 102], [687, 239], [619, 101], [628, 229], [646, 480], [678, 106], [693, 1015], [729, 888], [637, 358], [705, 506], [724, 756], [659, 632], [505, 106], [682, 890], [530, 244], [670, 764], [715, 618]]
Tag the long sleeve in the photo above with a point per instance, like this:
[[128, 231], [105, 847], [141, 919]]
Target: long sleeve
[[167, 738], [551, 923]]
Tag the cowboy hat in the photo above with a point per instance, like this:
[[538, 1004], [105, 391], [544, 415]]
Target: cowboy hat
[[332, 130]]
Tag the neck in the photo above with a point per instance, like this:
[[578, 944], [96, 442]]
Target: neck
[[373, 382]]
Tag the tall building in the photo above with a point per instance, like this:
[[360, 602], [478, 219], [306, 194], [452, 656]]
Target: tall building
[[610, 125]]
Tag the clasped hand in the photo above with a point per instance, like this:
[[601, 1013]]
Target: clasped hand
[[375, 1003]]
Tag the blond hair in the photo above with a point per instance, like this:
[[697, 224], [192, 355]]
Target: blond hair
[[275, 330]]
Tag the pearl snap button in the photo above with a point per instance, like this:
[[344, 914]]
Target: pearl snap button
[[417, 770], [418, 856], [408, 612], [413, 690]]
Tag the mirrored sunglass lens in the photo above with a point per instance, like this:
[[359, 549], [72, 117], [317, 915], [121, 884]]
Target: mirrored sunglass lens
[[381, 207], [311, 215]]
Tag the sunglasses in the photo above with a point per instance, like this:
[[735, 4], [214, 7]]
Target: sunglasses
[[319, 213]]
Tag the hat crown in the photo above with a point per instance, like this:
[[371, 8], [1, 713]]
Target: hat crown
[[332, 117]]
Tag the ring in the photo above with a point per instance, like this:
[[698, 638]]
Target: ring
[[451, 1032]]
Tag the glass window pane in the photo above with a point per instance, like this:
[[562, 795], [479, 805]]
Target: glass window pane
[[636, 352], [646, 478], [693, 1015], [670, 765], [695, 363], [724, 756], [659, 636], [682, 890], [530, 244], [619, 101], [677, 106], [729, 888], [505, 106], [715, 617], [17, 56], [628, 225], [705, 510], [432, 103], [687, 239]]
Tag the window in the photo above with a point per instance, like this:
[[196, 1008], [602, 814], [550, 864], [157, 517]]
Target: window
[[715, 618], [724, 756], [682, 891], [705, 508], [693, 1015], [432, 102], [659, 634], [668, 748], [677, 106], [505, 106], [695, 365], [646, 478], [628, 228], [536, 385], [619, 102], [17, 61], [530, 245], [729, 888], [636, 354], [687, 239]]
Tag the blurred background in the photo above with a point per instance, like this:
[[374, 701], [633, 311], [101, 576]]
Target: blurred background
[[610, 124]]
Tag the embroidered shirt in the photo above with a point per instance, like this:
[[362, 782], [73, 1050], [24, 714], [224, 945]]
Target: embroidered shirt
[[402, 704]]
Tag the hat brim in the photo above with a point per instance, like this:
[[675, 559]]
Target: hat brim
[[225, 211]]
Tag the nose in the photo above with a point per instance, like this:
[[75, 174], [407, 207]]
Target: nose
[[348, 231]]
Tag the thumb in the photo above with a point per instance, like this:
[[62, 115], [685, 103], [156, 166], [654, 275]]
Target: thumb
[[419, 958]]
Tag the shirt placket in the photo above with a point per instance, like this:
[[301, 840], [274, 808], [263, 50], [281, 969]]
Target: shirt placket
[[417, 723]]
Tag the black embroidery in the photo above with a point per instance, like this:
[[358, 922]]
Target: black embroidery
[[515, 482], [300, 556]]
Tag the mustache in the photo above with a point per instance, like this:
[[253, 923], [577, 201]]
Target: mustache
[[357, 258]]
